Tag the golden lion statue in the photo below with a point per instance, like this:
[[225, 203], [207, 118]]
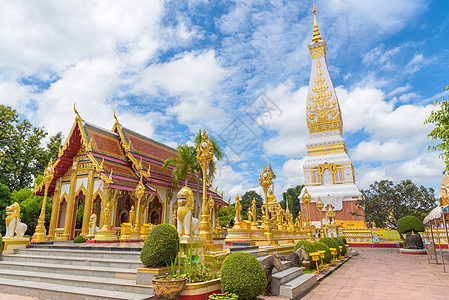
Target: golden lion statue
[[13, 224], [186, 224]]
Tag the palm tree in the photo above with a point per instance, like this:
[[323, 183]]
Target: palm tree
[[185, 164], [212, 169]]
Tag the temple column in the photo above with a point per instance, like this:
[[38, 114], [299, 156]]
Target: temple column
[[168, 197], [54, 211], [88, 203], [70, 205]]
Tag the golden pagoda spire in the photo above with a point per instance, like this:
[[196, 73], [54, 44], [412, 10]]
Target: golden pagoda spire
[[316, 33]]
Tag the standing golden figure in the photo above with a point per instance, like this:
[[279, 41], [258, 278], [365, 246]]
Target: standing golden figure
[[39, 234], [265, 181], [204, 155]]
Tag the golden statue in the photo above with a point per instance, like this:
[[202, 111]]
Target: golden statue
[[107, 212], [132, 214], [250, 215], [238, 209]]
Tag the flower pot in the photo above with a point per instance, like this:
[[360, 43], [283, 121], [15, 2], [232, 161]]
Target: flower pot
[[306, 263], [167, 289], [221, 296]]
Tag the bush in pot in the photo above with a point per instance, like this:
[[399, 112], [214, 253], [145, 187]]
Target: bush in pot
[[410, 226], [161, 246]]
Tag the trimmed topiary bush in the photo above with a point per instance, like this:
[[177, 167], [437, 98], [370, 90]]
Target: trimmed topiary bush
[[79, 239], [309, 246], [340, 242], [243, 275], [161, 246], [323, 246], [409, 223], [331, 243]]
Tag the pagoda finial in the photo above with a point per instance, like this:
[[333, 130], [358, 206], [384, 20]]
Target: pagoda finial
[[316, 33]]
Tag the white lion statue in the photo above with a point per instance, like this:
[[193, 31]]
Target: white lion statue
[[13, 224], [186, 224]]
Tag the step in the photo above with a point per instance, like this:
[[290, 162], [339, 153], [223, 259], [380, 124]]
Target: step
[[71, 269], [58, 292], [298, 286], [282, 277], [285, 263], [78, 261], [111, 284], [128, 255], [258, 252]]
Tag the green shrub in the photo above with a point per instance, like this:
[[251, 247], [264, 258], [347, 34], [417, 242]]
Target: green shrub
[[79, 239], [340, 242], [331, 243], [310, 247], [323, 246], [243, 275], [1, 243], [161, 246], [409, 223]]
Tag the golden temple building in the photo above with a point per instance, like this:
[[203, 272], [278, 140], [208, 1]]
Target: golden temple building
[[97, 173], [328, 171]]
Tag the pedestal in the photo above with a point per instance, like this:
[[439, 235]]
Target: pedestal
[[105, 235], [238, 234], [14, 243], [257, 235]]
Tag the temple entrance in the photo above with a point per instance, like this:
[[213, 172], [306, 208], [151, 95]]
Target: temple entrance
[[62, 212], [155, 211], [78, 213], [124, 205]]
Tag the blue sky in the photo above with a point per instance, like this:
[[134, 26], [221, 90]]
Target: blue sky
[[239, 69]]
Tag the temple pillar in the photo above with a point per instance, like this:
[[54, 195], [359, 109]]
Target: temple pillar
[[88, 203], [68, 221], [54, 211]]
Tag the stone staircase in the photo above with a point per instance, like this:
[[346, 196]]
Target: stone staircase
[[291, 282], [50, 273]]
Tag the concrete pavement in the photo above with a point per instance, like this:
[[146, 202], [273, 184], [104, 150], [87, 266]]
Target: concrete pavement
[[379, 273]]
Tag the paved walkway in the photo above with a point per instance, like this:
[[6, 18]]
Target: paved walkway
[[378, 273]]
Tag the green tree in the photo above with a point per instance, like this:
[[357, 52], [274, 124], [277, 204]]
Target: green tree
[[22, 155], [5, 201], [247, 201], [384, 203], [184, 164], [291, 195], [440, 118], [225, 215]]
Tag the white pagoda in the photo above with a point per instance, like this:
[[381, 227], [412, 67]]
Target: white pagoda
[[328, 171]]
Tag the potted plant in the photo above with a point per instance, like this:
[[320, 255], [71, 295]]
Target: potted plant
[[229, 296], [410, 226], [160, 250]]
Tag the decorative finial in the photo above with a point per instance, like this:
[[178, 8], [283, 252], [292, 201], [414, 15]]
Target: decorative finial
[[316, 33], [116, 120], [78, 118]]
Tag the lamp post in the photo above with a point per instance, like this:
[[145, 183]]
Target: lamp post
[[140, 191], [306, 200], [39, 234], [265, 181], [320, 206], [204, 154]]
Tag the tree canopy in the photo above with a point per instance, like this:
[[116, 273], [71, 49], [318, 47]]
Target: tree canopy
[[291, 195], [23, 155], [440, 118], [385, 203]]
